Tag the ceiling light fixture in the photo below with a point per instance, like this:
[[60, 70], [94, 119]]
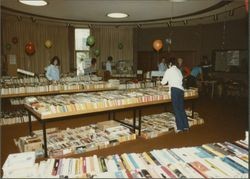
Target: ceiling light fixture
[[117, 15], [178, 0], [34, 2]]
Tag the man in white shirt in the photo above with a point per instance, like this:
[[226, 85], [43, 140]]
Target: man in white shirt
[[173, 77], [162, 66]]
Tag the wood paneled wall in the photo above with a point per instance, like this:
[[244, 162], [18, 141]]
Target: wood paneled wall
[[25, 30], [149, 60], [107, 40]]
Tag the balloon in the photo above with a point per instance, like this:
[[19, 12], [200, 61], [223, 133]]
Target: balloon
[[8, 46], [168, 41], [157, 44], [97, 52], [48, 44], [90, 40], [30, 48], [14, 40], [120, 46]]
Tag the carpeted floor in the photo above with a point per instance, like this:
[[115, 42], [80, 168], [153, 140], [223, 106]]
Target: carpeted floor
[[226, 119]]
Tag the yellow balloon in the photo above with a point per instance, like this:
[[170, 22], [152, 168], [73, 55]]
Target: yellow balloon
[[48, 44], [157, 44]]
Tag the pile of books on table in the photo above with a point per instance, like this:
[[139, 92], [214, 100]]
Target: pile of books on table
[[133, 85], [88, 101], [159, 124], [215, 160], [77, 140], [14, 117], [50, 87], [42, 79], [15, 85], [17, 101]]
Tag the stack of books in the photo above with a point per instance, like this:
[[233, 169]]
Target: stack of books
[[14, 117], [15, 85], [78, 140], [159, 124], [17, 101], [124, 75], [215, 160], [46, 105], [20, 165], [137, 85]]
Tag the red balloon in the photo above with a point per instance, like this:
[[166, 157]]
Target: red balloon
[[246, 5], [14, 40], [30, 48]]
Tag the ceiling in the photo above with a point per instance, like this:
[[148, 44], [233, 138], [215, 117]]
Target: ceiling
[[140, 11]]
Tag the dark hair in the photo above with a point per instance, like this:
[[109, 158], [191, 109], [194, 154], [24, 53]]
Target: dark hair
[[93, 61], [110, 58], [55, 58], [172, 61]]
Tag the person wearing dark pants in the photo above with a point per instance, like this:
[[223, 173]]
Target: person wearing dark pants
[[177, 97], [173, 77]]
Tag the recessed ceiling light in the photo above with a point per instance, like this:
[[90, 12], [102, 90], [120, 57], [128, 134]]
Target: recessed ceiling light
[[117, 15], [178, 0], [34, 2]]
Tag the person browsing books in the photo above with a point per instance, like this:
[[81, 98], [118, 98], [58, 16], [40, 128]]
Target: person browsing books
[[173, 78], [162, 66], [196, 73], [109, 65], [184, 70], [52, 71], [92, 69]]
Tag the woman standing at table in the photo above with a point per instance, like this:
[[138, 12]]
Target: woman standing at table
[[52, 71], [173, 77]]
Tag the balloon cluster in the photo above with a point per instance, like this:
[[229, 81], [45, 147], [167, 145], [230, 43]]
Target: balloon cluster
[[157, 45], [14, 40], [48, 44], [30, 48], [97, 52], [90, 40], [168, 43], [120, 46], [8, 46]]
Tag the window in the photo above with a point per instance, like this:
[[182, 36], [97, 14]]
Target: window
[[81, 49]]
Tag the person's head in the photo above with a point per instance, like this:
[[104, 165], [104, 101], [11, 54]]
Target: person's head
[[163, 60], [55, 61], [204, 59], [179, 62], [110, 58], [93, 61], [171, 62]]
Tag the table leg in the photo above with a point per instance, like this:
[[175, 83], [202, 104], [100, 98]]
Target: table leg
[[193, 109], [165, 107], [113, 112], [109, 115], [30, 124], [139, 122], [212, 93], [45, 139], [134, 119]]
